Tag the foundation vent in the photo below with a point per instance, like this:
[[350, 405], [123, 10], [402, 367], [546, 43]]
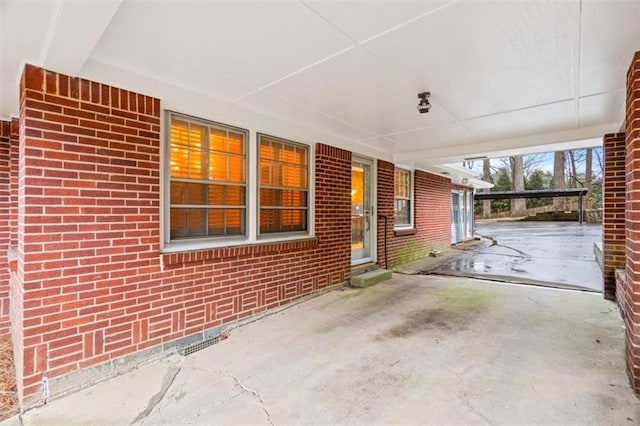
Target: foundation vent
[[195, 347]]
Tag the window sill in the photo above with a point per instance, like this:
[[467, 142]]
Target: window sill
[[186, 255], [404, 232]]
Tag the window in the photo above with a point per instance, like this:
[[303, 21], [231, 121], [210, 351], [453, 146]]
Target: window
[[403, 195], [226, 186], [283, 186], [208, 189]]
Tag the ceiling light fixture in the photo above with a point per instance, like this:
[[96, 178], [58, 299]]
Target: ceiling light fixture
[[424, 106]]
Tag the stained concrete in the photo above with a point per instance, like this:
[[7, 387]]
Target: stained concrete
[[558, 254], [414, 349]]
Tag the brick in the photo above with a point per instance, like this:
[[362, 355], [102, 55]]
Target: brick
[[33, 78]]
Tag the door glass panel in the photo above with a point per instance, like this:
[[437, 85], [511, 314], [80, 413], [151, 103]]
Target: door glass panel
[[357, 208], [457, 204], [361, 235]]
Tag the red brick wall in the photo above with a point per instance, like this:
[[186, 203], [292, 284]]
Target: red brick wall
[[613, 218], [5, 219], [432, 217], [631, 297], [95, 286]]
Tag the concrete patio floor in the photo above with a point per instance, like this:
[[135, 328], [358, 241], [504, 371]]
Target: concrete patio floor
[[414, 349]]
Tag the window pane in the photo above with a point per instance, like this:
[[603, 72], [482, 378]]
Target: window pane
[[235, 221], [402, 183], [268, 221], [217, 140], [216, 222], [178, 193], [179, 132], [269, 197], [179, 161], [195, 164], [282, 198], [294, 198], [187, 222], [236, 169], [196, 194], [217, 166], [402, 212], [178, 223], [294, 176], [294, 220], [235, 195], [272, 220], [236, 143], [216, 195], [196, 136], [267, 152]]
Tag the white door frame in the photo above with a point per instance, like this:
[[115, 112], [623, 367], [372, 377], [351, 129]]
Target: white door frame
[[373, 213]]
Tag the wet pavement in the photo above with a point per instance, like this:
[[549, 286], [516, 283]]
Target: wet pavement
[[556, 254]]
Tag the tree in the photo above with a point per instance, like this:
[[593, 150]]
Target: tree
[[538, 180], [558, 179], [573, 171], [486, 176], [588, 168], [502, 183], [518, 206], [596, 184]]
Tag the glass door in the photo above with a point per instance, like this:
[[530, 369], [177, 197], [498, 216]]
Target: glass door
[[361, 212], [457, 204], [468, 225]]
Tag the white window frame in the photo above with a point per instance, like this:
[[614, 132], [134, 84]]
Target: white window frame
[[411, 199], [283, 234], [252, 184]]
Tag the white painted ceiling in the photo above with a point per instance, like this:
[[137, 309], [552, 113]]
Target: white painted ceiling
[[506, 77]]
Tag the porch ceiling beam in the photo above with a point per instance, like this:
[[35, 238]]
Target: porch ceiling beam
[[584, 137], [539, 193], [74, 30]]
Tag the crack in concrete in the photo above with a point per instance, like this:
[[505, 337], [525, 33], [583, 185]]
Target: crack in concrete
[[522, 254], [494, 242], [253, 392], [156, 399], [465, 399], [490, 238]]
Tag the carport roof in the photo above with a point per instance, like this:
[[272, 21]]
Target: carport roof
[[505, 77]]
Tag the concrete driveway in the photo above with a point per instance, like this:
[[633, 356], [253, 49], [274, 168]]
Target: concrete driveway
[[415, 349], [546, 253]]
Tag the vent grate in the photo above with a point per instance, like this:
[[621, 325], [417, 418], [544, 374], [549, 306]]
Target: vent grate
[[193, 348]]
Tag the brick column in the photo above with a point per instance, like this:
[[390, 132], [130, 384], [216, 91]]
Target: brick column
[[631, 298], [613, 218], [385, 193], [5, 230], [87, 225], [13, 182]]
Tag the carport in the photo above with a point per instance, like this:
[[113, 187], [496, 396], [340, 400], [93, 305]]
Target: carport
[[168, 169]]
